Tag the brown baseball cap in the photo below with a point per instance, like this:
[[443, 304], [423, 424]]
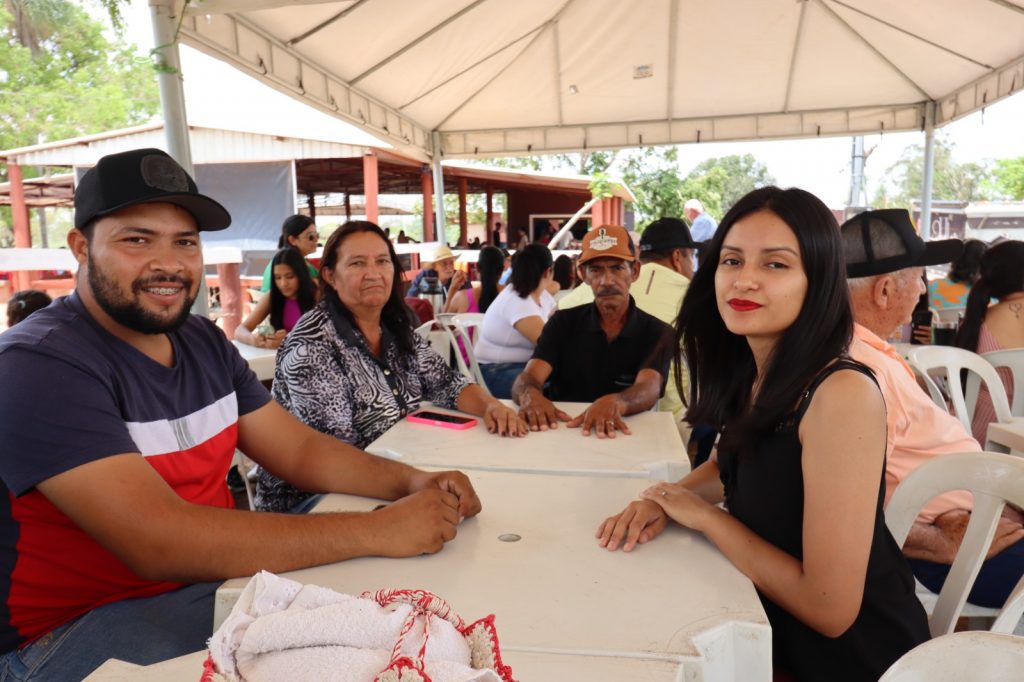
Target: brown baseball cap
[[608, 241]]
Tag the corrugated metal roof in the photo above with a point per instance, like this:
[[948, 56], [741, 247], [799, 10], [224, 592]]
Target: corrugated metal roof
[[209, 145]]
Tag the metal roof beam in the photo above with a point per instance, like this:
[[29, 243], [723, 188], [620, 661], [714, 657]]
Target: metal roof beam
[[550, 23], [327, 22], [405, 48], [874, 49], [905, 32]]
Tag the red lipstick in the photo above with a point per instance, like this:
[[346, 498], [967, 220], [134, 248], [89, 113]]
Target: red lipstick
[[743, 305]]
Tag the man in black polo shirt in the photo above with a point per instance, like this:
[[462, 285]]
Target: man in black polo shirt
[[608, 353]]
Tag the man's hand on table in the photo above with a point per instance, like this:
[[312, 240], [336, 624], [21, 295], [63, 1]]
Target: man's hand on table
[[604, 417], [455, 483], [641, 521], [419, 523], [539, 413], [503, 420]]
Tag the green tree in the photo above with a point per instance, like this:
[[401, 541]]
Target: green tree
[[952, 181], [1008, 178], [653, 175], [61, 77], [722, 181]]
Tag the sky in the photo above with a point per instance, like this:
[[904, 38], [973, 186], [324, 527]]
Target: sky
[[218, 95]]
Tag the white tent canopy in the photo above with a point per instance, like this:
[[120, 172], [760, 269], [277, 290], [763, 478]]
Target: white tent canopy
[[496, 77]]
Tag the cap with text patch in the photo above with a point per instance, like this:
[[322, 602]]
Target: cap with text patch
[[143, 176], [607, 241]]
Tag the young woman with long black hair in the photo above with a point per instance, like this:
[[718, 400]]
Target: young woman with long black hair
[[292, 294], [765, 327]]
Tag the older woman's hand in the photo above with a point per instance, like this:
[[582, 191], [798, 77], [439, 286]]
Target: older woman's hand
[[504, 421]]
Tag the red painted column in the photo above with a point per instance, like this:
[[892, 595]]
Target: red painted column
[[463, 220], [597, 215], [230, 297], [370, 186], [22, 232], [427, 182]]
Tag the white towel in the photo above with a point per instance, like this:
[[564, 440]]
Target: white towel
[[281, 629]]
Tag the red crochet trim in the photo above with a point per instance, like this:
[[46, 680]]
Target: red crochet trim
[[208, 670], [487, 623]]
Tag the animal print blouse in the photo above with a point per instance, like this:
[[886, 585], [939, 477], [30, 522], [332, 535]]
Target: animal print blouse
[[328, 378]]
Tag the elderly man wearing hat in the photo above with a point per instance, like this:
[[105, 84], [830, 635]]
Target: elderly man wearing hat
[[608, 353], [442, 267], [885, 261], [666, 258], [119, 417]]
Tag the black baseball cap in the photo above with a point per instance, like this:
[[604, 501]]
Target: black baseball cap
[[143, 176], [862, 255], [665, 234]]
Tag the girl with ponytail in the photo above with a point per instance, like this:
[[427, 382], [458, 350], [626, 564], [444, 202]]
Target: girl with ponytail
[[987, 327]]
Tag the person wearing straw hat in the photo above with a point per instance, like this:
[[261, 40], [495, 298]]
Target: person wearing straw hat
[[441, 267]]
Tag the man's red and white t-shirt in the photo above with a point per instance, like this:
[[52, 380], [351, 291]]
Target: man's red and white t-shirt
[[71, 393]]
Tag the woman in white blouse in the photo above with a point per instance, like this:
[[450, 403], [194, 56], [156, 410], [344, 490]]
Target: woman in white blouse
[[513, 322]]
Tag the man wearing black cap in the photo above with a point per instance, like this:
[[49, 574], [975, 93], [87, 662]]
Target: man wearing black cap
[[885, 259], [119, 417]]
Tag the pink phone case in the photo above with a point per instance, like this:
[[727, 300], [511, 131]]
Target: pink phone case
[[426, 417]]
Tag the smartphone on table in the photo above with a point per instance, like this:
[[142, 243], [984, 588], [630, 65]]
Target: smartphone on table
[[445, 421]]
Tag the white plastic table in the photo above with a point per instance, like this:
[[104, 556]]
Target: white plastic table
[[654, 450], [261, 360], [527, 666], [676, 602]]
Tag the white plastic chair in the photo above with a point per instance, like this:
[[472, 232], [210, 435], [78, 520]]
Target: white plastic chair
[[993, 479], [947, 362], [931, 387], [458, 327], [961, 656], [245, 466], [1012, 359]]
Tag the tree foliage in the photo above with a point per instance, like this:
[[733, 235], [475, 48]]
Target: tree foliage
[[61, 77], [951, 181], [653, 175], [1008, 178], [721, 182]]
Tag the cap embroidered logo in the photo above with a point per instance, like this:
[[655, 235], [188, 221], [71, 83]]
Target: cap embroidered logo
[[160, 172], [602, 242]]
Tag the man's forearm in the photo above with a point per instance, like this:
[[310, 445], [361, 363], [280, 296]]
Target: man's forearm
[[641, 396], [929, 542], [225, 543], [524, 383], [329, 465]]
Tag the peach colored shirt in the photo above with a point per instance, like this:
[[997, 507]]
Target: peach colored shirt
[[917, 429]]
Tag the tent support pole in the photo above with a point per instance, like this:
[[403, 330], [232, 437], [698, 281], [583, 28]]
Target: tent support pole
[[929, 168], [435, 165], [165, 14]]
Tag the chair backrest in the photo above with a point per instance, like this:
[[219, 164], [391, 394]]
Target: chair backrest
[[947, 362], [993, 479], [933, 389], [961, 656], [950, 314], [1013, 359], [458, 327]]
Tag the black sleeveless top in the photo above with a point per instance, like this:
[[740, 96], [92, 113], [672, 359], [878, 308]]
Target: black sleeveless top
[[764, 489]]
